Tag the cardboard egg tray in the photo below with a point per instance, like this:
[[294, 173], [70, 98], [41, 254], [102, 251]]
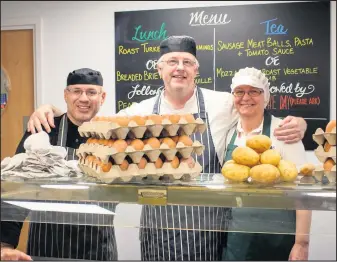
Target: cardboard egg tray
[[104, 152], [319, 173], [322, 156], [320, 137], [107, 130], [134, 173]]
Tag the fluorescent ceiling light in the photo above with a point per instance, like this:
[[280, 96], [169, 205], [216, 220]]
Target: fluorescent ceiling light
[[62, 207]]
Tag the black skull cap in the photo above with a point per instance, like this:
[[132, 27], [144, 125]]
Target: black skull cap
[[181, 43], [85, 76]]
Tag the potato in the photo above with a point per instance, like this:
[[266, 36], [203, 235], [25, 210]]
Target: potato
[[235, 172], [270, 156], [230, 162], [264, 173], [245, 156], [288, 170], [259, 143], [307, 169]]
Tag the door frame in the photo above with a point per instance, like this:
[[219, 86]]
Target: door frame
[[34, 23]]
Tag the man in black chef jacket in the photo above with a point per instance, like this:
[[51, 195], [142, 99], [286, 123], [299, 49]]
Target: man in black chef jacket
[[84, 96]]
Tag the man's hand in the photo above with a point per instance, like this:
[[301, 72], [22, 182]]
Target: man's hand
[[8, 253], [300, 251], [43, 115], [291, 129]]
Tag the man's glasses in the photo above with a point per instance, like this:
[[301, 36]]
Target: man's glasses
[[76, 92], [175, 62], [252, 93]]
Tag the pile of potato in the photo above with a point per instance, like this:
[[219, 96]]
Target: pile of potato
[[259, 163]]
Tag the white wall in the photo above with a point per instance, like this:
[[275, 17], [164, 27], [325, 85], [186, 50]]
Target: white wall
[[81, 34]]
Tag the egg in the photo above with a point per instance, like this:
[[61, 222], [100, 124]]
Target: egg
[[175, 162], [110, 142], [100, 141], [328, 164], [138, 119], [174, 119], [124, 166], [105, 142], [106, 167], [137, 144], [327, 147], [142, 163], [153, 142], [97, 162], [94, 141], [186, 140], [159, 163], [330, 126], [175, 139], [122, 121], [90, 158], [98, 118], [189, 118], [120, 145], [168, 141], [89, 141], [157, 119]]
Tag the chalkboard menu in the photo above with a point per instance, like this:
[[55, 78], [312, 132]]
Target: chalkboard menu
[[289, 42]]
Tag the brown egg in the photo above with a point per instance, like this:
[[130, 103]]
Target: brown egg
[[330, 126], [142, 163], [168, 141], [105, 142], [328, 164], [122, 121], [186, 140], [189, 118], [157, 119], [327, 147], [145, 141], [100, 141], [110, 142], [137, 144], [175, 162], [159, 163], [174, 119], [106, 167], [138, 119], [89, 141], [98, 118], [175, 139], [120, 145], [90, 158], [97, 162], [153, 142], [124, 166], [94, 141]]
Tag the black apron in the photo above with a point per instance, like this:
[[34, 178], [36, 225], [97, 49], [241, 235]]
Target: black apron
[[163, 233], [259, 246], [60, 240]]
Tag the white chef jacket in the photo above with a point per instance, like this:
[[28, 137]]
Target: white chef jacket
[[292, 152], [219, 106]]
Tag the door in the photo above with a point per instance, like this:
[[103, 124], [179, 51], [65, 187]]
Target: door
[[17, 64]]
